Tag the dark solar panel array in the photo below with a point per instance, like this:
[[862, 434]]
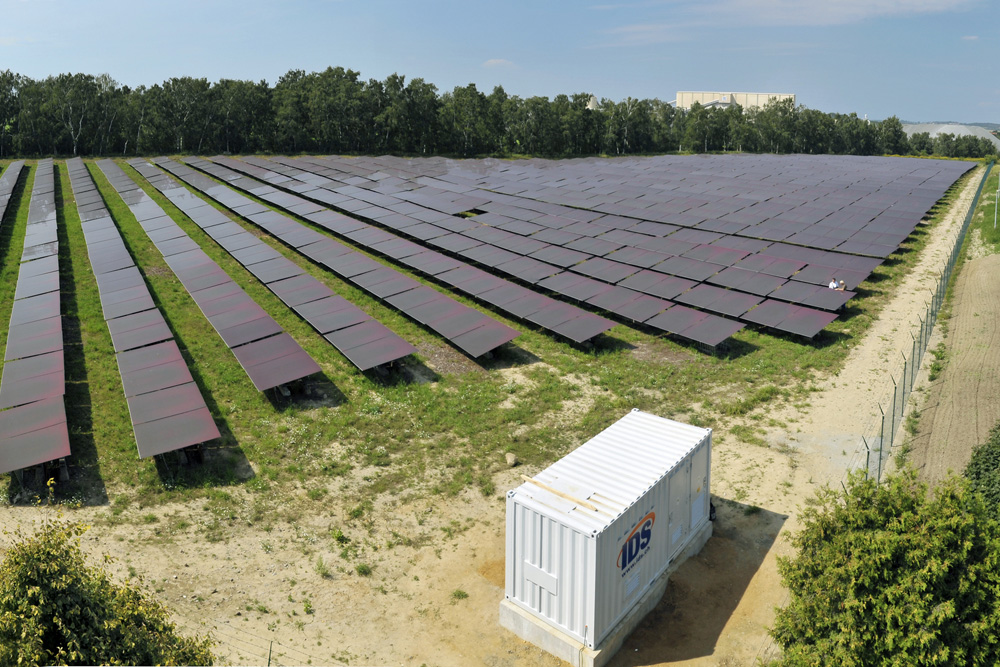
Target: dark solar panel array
[[167, 409], [532, 261], [268, 355], [558, 317], [788, 219], [361, 339], [466, 328], [33, 426], [7, 182]]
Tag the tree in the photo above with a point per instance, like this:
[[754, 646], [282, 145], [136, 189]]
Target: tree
[[9, 108], [464, 120], [775, 124], [892, 137], [629, 126], [813, 132], [892, 575], [243, 109], [336, 109], [55, 609], [291, 113], [921, 143], [187, 111]]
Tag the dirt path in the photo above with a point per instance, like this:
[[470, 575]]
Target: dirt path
[[436, 578], [962, 404]]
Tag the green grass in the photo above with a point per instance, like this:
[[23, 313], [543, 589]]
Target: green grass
[[394, 437], [986, 213]]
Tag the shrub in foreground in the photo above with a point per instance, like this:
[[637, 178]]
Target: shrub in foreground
[[56, 609], [983, 471], [893, 575]]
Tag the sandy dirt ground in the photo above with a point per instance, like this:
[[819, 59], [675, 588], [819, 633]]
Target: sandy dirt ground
[[961, 405], [283, 595]]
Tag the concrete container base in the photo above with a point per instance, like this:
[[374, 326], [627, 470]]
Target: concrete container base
[[533, 629]]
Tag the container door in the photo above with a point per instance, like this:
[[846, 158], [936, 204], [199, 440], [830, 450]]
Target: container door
[[699, 486], [680, 505]]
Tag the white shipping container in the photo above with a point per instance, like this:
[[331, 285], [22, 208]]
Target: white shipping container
[[595, 529]]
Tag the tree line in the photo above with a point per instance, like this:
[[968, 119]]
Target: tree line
[[336, 111]]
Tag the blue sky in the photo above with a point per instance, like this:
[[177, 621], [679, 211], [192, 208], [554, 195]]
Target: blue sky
[[921, 60]]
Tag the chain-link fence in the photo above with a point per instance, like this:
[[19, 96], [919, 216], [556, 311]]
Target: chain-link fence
[[876, 446]]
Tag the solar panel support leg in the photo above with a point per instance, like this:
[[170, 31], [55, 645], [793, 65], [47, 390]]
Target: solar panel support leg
[[283, 389], [182, 457], [63, 470]]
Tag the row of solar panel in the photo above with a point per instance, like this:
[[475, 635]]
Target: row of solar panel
[[911, 191], [7, 182], [701, 263], [611, 239], [686, 272], [33, 428], [166, 407], [360, 338], [519, 301], [466, 328], [268, 355], [881, 215], [511, 297], [558, 317]]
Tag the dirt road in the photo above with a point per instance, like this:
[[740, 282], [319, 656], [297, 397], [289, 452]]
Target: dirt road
[[963, 403]]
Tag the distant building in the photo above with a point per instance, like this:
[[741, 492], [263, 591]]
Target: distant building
[[934, 129], [722, 100]]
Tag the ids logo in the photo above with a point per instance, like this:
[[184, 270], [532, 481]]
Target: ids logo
[[636, 543]]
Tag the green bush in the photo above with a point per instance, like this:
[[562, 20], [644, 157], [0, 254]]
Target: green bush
[[983, 471], [891, 575], [56, 609]]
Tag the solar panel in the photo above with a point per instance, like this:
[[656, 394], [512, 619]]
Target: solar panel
[[605, 269], [676, 320], [275, 361], [156, 377], [33, 434], [176, 400], [175, 432], [485, 338], [35, 308]]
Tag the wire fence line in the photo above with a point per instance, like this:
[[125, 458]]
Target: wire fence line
[[876, 445], [242, 647], [875, 448]]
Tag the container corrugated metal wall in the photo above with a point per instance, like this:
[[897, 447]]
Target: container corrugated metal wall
[[582, 570]]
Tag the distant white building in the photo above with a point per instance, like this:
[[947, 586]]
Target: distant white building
[[685, 99], [934, 129]]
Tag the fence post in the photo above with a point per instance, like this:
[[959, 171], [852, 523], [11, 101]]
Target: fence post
[[881, 446], [892, 413], [868, 458]]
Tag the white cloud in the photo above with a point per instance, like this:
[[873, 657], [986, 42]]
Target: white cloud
[[641, 34], [830, 12], [970, 38], [634, 5], [498, 62], [9, 41]]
